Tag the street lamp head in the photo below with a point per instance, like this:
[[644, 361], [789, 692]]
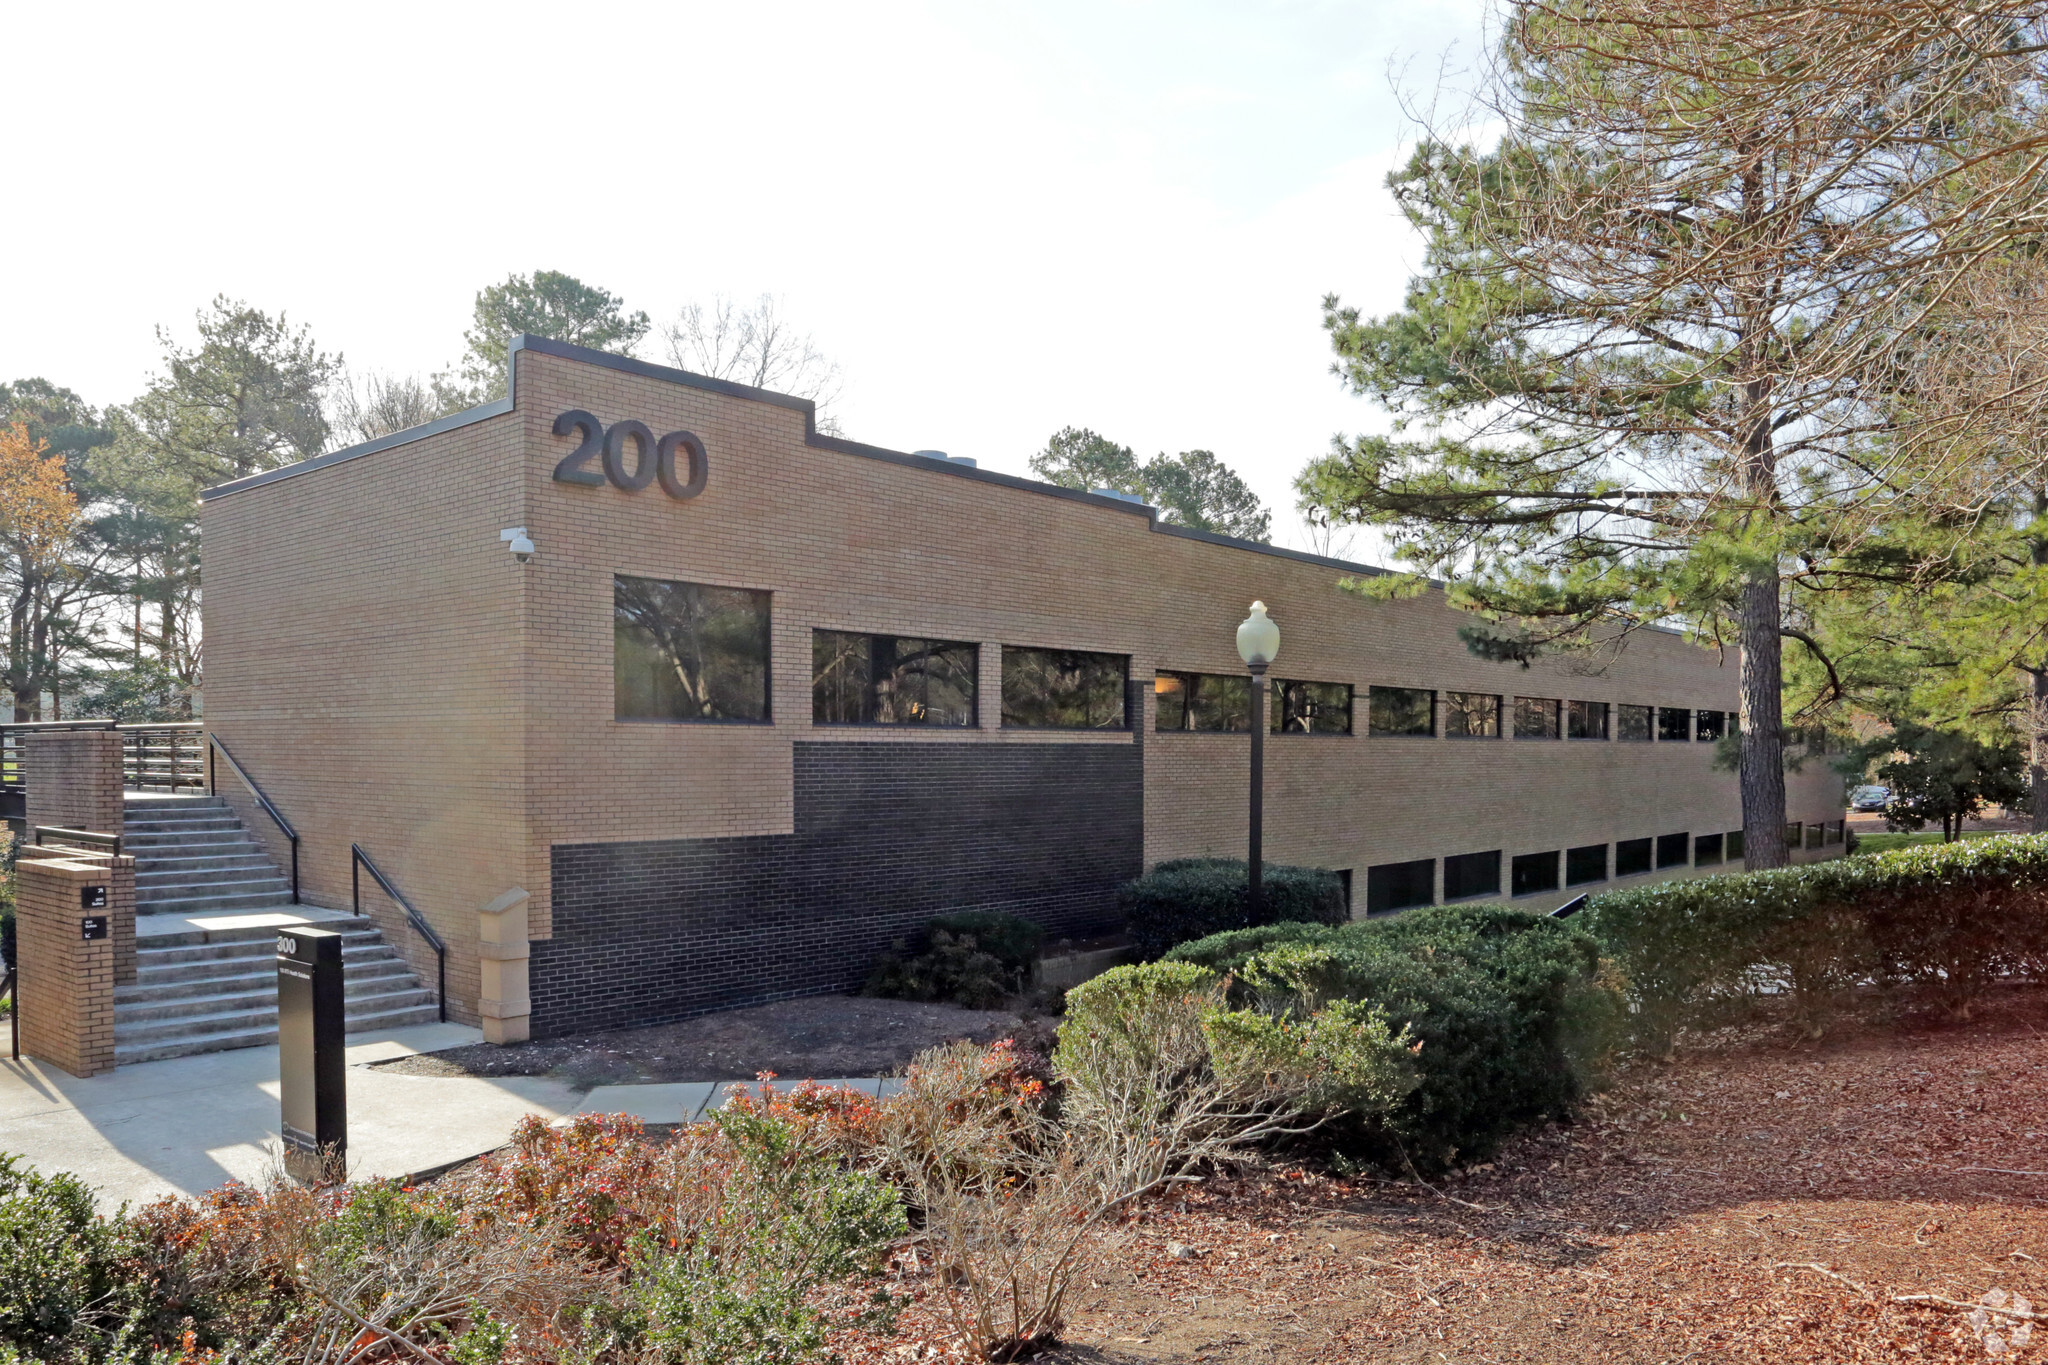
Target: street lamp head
[[1258, 639]]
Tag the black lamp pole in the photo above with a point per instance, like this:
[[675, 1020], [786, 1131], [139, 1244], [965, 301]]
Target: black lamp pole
[[1255, 861]]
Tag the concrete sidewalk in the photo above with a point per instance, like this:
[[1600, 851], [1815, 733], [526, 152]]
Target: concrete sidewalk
[[188, 1124], [687, 1101]]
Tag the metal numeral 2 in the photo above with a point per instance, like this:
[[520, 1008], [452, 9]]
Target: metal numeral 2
[[651, 459]]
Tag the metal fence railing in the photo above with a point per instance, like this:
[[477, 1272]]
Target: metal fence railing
[[163, 757]]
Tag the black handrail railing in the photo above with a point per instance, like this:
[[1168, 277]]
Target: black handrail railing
[[359, 859], [214, 746], [11, 988], [163, 756], [79, 836]]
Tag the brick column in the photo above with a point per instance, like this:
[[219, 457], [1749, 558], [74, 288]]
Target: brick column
[[118, 876], [503, 1005], [73, 779], [66, 984]]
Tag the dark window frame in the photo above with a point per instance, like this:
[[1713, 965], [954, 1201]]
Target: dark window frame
[[1372, 728], [1674, 850], [1554, 730], [1665, 728], [1600, 710], [1705, 731], [1466, 863], [870, 688], [623, 620], [1626, 712], [1627, 863], [1387, 882], [1192, 683], [1280, 714], [1708, 850], [1448, 710], [1544, 869], [1582, 877], [1123, 726], [1731, 846]]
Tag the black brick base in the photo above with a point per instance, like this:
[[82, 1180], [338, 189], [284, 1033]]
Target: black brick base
[[886, 835]]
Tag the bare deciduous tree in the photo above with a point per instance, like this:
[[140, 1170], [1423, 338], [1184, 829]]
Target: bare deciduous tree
[[754, 345], [377, 405]]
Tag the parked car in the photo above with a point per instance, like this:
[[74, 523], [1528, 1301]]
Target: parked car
[[1869, 798]]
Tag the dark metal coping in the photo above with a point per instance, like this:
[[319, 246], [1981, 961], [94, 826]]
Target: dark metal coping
[[812, 437]]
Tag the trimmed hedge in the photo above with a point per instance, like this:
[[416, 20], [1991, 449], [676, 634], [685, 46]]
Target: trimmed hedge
[[1944, 920], [1184, 899], [1513, 1013], [970, 957]]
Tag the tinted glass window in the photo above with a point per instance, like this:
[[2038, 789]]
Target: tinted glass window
[[1674, 722], [1709, 725], [1837, 831], [1673, 849], [1814, 833], [1533, 872], [1398, 886], [1586, 720], [1312, 708], [1471, 715], [1472, 874], [1202, 701], [1632, 723], [1535, 718], [891, 680], [1794, 832], [1731, 846], [1706, 850], [685, 651], [1632, 856], [1401, 711], [1063, 689], [1587, 863]]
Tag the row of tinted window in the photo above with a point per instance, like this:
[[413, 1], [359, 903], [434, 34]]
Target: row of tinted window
[[1401, 886], [691, 651], [1222, 701]]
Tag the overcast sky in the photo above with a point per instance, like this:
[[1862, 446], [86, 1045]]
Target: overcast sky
[[999, 220]]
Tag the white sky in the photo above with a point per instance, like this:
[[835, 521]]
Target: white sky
[[999, 220]]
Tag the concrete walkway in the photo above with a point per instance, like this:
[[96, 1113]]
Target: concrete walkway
[[190, 1123], [687, 1101]]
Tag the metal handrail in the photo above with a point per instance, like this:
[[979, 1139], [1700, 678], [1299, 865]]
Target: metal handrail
[[359, 859], [163, 754], [79, 836], [214, 745], [11, 988]]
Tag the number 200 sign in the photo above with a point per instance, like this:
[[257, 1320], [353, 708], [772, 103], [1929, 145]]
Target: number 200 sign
[[651, 459]]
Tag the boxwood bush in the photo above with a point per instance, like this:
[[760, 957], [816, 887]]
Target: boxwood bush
[[1944, 920], [1184, 899], [1513, 1012]]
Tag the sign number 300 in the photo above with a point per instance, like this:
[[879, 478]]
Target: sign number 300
[[650, 459]]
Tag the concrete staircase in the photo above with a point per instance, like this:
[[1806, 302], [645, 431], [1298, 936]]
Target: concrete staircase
[[209, 907]]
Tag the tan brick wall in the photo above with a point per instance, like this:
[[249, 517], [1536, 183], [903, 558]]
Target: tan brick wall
[[389, 672], [73, 779], [67, 983]]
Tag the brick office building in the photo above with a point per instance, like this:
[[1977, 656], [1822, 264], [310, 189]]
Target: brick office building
[[728, 704]]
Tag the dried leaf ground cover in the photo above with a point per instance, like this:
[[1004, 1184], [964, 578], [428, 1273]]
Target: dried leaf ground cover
[[1756, 1200]]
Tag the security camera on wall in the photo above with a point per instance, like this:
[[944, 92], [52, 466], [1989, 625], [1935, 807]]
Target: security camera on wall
[[522, 545]]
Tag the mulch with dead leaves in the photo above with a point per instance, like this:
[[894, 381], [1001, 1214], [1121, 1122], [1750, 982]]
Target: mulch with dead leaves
[[1880, 1196]]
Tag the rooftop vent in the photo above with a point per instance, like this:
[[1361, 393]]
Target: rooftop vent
[[967, 460], [1119, 495]]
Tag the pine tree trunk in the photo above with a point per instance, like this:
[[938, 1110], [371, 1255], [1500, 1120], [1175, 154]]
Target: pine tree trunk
[[2037, 775], [1763, 728]]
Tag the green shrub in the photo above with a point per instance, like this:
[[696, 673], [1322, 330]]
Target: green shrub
[[970, 957], [1184, 899], [1011, 940], [60, 1293], [1944, 919], [1513, 1013]]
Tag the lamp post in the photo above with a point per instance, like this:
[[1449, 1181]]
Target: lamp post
[[1258, 640]]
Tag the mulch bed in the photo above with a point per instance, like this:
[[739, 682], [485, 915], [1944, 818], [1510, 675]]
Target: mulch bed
[[818, 1037], [1757, 1200]]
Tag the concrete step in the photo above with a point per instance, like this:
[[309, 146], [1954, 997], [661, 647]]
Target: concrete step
[[196, 947], [191, 979], [235, 1031], [194, 864], [277, 898], [254, 870], [167, 1015]]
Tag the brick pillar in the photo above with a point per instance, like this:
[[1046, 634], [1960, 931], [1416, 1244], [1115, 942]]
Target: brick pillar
[[73, 779], [66, 984], [503, 1005], [118, 876]]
